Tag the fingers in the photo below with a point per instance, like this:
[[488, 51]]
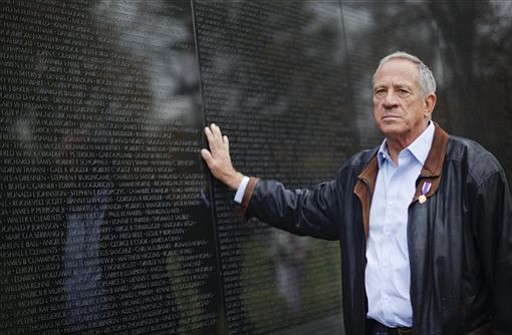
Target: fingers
[[214, 137], [216, 131], [218, 158], [206, 156], [209, 135], [226, 142], [213, 132], [216, 141], [218, 144]]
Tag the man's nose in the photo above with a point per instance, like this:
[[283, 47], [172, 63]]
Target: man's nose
[[390, 100]]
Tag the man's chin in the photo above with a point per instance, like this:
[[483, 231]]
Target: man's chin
[[391, 128]]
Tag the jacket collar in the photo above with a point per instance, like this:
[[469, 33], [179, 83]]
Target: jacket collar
[[431, 172]]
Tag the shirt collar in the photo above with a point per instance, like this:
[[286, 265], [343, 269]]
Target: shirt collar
[[419, 148]]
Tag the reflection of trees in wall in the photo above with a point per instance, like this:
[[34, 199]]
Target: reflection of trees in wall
[[476, 54], [274, 67], [373, 30], [159, 36]]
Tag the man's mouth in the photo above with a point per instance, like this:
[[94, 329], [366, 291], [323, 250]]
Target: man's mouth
[[389, 117]]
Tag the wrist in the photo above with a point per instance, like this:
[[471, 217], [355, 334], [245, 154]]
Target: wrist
[[235, 181]]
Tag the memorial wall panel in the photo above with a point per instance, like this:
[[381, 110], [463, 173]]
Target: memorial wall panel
[[105, 227], [111, 223], [273, 78]]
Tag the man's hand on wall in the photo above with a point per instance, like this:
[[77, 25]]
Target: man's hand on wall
[[218, 158]]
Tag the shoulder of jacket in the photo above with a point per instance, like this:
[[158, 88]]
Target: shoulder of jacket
[[478, 161], [358, 161]]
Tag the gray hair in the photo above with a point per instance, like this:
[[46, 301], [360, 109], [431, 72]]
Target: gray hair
[[425, 77]]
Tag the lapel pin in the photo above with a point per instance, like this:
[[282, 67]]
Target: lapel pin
[[424, 190]]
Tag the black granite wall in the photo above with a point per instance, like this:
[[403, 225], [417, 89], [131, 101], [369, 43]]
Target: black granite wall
[[110, 223]]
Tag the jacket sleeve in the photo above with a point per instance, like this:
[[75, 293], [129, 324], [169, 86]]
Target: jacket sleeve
[[494, 232], [301, 211]]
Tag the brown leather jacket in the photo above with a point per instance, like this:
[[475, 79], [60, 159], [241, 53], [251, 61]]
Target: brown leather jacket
[[460, 239]]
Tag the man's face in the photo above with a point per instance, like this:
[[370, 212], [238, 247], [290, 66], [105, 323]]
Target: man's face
[[400, 109]]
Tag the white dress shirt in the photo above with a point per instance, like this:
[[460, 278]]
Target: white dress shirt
[[239, 195], [387, 276]]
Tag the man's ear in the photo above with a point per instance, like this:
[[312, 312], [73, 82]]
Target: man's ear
[[429, 102]]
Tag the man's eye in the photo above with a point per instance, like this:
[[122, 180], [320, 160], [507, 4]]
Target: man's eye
[[379, 93], [403, 92]]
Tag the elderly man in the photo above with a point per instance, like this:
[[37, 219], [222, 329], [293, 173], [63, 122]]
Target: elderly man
[[424, 221]]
